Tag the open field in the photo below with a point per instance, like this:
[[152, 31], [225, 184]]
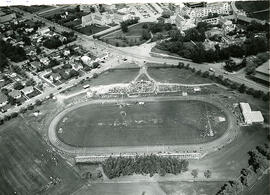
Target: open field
[[35, 8], [176, 75], [27, 163], [154, 123], [92, 29], [152, 188], [130, 38], [254, 6], [109, 77]]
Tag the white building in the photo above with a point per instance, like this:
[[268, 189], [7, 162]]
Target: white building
[[199, 12], [96, 18], [86, 60], [184, 24], [43, 31], [249, 115]]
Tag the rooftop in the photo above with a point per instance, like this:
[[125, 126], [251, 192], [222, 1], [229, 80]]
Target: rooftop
[[264, 68]]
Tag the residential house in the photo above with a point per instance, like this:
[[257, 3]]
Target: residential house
[[171, 19], [76, 66], [27, 90], [3, 100], [62, 38], [2, 81], [86, 60], [45, 61], [179, 20], [66, 52], [36, 65], [16, 94], [227, 25], [55, 77], [30, 50], [102, 57], [43, 31]]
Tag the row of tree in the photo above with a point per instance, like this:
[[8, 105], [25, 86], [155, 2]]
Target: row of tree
[[148, 164], [124, 25], [258, 160], [242, 88]]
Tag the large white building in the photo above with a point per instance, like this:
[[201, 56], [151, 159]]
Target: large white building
[[184, 24], [249, 115], [200, 12], [96, 18]]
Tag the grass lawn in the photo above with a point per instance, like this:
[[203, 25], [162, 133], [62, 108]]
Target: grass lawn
[[176, 75], [35, 8], [27, 163], [253, 6], [109, 77], [153, 188], [137, 188], [190, 187], [73, 23], [92, 29], [130, 38], [154, 123]]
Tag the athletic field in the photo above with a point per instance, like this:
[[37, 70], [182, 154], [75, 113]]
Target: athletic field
[[141, 124]]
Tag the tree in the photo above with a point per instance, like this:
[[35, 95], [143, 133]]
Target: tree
[[38, 102], [194, 173], [230, 65], [95, 75], [206, 74], [18, 85], [175, 35], [257, 94], [166, 14], [242, 88], [266, 97], [73, 73], [95, 64], [52, 43], [145, 26], [124, 27], [92, 9], [145, 35], [38, 50], [26, 40], [207, 173], [30, 82], [3, 61]]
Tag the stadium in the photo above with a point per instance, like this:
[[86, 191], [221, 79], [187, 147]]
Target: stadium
[[175, 125]]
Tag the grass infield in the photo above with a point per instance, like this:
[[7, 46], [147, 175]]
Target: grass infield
[[154, 123]]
